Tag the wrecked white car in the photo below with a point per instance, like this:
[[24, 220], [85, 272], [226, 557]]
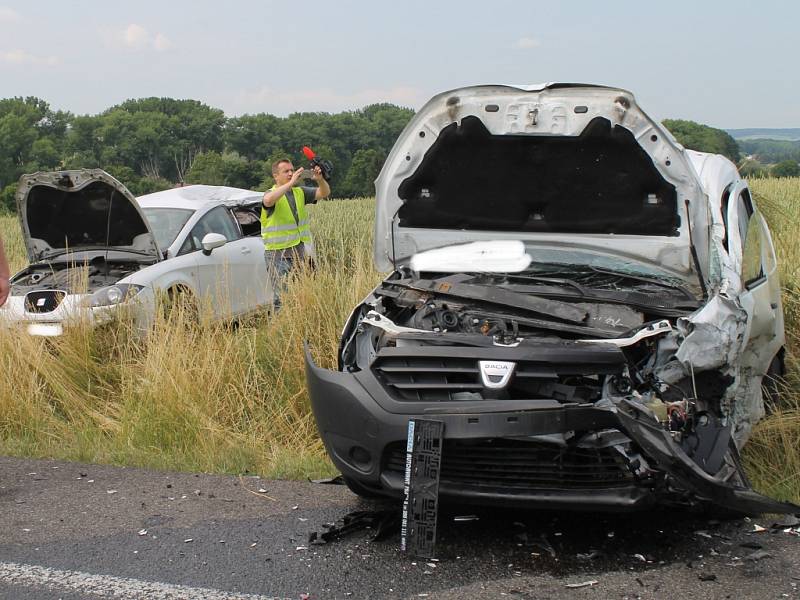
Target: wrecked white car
[[588, 308], [95, 250]]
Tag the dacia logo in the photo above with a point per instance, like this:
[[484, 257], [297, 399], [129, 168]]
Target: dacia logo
[[496, 374]]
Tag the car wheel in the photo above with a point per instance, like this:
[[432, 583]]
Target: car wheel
[[359, 489], [180, 303], [773, 383]]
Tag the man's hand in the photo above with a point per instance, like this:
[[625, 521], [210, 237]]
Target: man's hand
[[296, 176], [5, 287]]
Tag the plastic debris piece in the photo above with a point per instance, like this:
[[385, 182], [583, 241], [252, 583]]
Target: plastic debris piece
[[187, 540], [758, 528], [707, 577], [704, 534], [640, 557], [329, 481], [582, 584], [758, 555], [142, 532], [383, 522], [463, 518], [111, 491], [786, 521]]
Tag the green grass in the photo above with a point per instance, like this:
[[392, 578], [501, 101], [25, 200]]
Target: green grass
[[217, 399]]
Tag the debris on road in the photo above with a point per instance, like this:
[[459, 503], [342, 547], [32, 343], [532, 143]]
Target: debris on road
[[582, 584], [329, 481], [383, 522], [758, 555]]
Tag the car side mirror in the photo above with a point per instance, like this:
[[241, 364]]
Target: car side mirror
[[211, 241]]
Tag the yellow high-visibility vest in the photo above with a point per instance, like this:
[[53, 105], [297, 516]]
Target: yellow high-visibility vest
[[279, 230]]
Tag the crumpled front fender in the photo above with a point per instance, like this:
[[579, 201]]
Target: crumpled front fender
[[668, 456]]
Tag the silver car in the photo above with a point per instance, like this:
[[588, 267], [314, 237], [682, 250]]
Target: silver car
[[94, 249]]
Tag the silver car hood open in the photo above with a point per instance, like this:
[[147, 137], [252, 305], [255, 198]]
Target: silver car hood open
[[84, 209], [561, 166]]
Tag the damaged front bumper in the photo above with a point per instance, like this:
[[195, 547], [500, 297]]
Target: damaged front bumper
[[530, 453]]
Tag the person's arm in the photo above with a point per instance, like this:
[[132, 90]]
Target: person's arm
[[5, 274], [324, 188], [271, 197]]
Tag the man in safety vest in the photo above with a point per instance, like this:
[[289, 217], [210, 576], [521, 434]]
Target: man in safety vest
[[284, 220]]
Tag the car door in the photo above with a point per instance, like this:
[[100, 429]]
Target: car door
[[233, 277], [753, 255]]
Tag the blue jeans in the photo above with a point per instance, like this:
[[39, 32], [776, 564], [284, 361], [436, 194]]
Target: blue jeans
[[279, 265]]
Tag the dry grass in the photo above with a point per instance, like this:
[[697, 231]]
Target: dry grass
[[234, 400], [206, 398]]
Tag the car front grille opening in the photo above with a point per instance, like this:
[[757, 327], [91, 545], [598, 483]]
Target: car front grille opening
[[427, 379], [43, 301], [514, 465]]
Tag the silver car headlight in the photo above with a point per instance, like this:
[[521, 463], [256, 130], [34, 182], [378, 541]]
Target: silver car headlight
[[114, 294]]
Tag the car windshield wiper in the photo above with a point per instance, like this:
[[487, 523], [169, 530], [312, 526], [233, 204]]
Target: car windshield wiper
[[549, 281], [589, 270]]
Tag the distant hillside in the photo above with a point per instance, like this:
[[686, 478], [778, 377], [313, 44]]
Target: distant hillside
[[788, 134]]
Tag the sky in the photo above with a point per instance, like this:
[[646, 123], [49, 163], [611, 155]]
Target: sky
[[729, 64]]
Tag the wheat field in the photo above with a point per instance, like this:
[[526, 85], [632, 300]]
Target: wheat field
[[234, 400]]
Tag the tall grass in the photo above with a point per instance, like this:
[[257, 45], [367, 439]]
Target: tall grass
[[210, 398], [216, 398]]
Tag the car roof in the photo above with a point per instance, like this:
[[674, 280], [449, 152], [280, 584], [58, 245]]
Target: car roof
[[194, 197]]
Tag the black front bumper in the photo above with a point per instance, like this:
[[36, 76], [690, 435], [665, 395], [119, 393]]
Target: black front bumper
[[362, 428]]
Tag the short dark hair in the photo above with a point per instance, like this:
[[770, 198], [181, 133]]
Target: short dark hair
[[277, 162]]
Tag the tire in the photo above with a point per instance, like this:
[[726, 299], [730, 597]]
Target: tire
[[180, 301]]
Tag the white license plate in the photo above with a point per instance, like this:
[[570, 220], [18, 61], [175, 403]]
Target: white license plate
[[45, 329]]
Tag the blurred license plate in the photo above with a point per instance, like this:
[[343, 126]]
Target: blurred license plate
[[46, 329]]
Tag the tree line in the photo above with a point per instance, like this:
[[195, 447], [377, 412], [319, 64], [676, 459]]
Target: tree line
[[151, 144]]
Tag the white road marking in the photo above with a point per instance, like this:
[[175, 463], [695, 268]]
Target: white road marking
[[107, 586]]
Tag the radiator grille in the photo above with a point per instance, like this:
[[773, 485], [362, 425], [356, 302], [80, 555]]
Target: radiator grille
[[43, 301], [515, 465], [442, 379]]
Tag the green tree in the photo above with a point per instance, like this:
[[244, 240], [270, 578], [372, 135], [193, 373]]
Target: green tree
[[8, 201], [45, 154], [213, 168], [703, 138], [360, 178], [786, 168], [751, 168]]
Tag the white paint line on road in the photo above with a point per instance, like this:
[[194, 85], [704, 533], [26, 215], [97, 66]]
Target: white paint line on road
[[107, 586]]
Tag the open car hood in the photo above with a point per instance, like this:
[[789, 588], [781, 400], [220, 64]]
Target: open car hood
[[557, 165], [84, 209]]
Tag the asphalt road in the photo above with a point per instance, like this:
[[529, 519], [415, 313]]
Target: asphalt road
[[73, 531]]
